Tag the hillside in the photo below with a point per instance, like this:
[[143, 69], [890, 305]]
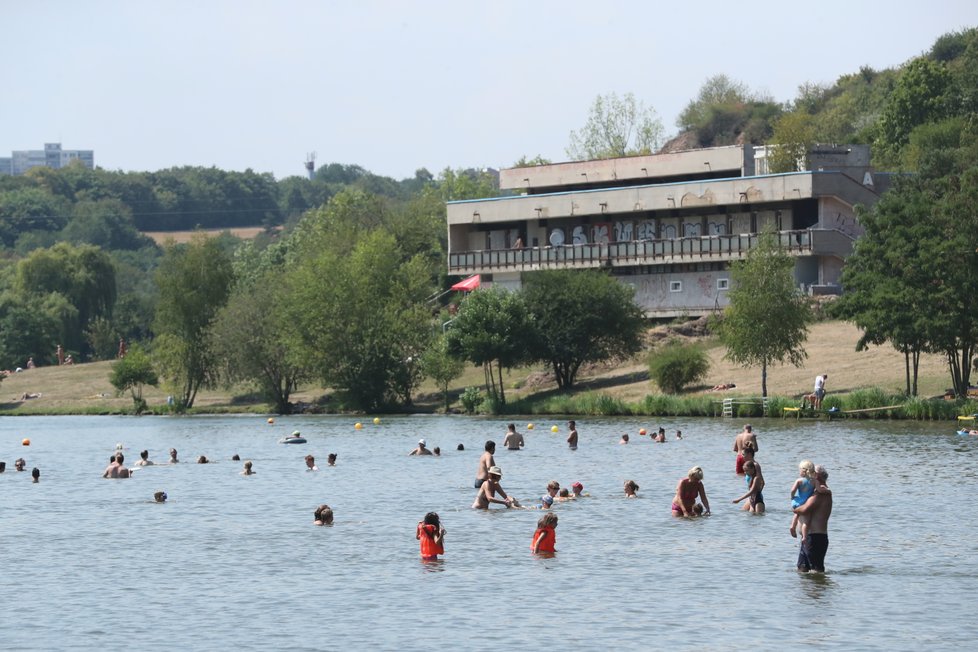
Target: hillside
[[85, 388]]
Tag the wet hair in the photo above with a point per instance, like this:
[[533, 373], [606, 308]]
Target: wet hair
[[235, 458], [750, 466], [460, 447], [572, 423], [324, 514], [331, 458], [160, 496], [806, 468], [625, 436], [36, 473], [437, 451], [695, 473], [119, 457], [821, 473], [490, 446], [310, 458], [547, 520], [247, 464], [144, 454], [431, 518], [112, 459], [173, 452], [662, 430], [202, 460], [564, 493], [698, 509], [553, 484], [631, 484], [511, 426], [3, 467]]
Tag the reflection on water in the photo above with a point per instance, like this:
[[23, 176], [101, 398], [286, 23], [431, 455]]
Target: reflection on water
[[96, 563]]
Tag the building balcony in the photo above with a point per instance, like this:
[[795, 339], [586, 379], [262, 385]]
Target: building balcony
[[714, 248]]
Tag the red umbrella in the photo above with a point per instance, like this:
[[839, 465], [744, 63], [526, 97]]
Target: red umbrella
[[468, 284]]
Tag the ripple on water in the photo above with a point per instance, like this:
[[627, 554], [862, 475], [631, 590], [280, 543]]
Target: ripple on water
[[232, 558]]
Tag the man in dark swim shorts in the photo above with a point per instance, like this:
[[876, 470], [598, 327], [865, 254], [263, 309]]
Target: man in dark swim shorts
[[811, 556]]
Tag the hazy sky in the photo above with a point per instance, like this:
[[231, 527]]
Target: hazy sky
[[395, 86]]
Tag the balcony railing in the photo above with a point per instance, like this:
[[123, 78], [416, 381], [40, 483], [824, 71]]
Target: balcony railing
[[614, 254]]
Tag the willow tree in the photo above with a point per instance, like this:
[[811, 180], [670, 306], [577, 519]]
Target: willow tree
[[767, 319], [194, 281]]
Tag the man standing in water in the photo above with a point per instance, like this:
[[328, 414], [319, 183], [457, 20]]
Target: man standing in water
[[746, 435], [486, 462], [818, 508], [572, 437], [514, 440]]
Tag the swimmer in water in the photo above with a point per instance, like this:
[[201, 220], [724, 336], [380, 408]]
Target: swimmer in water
[[160, 496], [624, 439], [173, 456], [247, 469], [20, 464], [311, 463], [36, 474], [631, 489], [331, 459], [323, 515], [144, 459], [203, 460]]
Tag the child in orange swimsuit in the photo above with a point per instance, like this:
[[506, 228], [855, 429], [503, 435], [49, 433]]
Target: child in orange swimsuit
[[545, 537], [431, 534]]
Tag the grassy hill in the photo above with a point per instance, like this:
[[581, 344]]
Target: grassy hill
[[85, 388]]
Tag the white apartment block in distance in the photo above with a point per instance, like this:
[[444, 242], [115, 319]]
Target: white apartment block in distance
[[52, 156]]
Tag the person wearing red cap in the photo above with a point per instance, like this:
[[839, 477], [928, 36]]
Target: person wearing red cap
[[578, 489]]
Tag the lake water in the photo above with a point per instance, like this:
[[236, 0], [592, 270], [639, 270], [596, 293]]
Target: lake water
[[235, 561]]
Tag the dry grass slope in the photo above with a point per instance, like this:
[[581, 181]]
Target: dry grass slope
[[831, 349]]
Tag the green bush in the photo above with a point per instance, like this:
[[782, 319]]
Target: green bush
[[471, 399], [676, 365]]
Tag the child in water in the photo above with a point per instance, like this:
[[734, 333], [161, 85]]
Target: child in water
[[630, 488], [545, 537], [431, 534], [801, 491], [323, 515]]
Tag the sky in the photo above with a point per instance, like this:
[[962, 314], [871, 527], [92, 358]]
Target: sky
[[394, 86]]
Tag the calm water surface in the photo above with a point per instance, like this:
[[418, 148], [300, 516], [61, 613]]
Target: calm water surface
[[235, 561]]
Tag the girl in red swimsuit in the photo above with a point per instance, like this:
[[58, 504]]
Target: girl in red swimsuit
[[431, 534]]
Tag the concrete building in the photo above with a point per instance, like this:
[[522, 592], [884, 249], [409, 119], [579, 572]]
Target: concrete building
[[52, 156], [669, 225]]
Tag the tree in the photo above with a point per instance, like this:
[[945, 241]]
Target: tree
[[921, 95], [441, 367], [493, 327], [767, 319], [84, 275], [250, 342], [616, 127], [364, 329], [581, 316], [793, 139], [885, 286], [131, 373], [194, 281], [717, 90]]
